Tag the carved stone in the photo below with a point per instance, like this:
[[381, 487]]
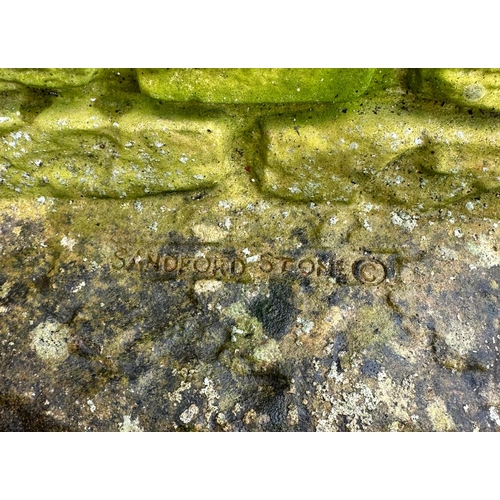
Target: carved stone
[[249, 250]]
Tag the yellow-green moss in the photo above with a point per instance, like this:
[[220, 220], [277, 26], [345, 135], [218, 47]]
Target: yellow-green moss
[[468, 87], [49, 77], [255, 85]]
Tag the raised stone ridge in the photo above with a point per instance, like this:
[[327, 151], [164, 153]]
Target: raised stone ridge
[[340, 136]]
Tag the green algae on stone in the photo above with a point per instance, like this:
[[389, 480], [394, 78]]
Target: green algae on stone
[[73, 149], [50, 78], [255, 85], [106, 139], [473, 88], [382, 147], [11, 107]]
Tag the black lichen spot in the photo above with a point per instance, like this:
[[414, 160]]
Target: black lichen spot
[[276, 312]]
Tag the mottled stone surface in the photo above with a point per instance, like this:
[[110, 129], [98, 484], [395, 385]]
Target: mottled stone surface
[[301, 284]]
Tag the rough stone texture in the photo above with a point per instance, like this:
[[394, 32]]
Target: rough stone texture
[[361, 294]]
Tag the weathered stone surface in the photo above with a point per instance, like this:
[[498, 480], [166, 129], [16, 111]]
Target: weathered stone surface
[[229, 305]]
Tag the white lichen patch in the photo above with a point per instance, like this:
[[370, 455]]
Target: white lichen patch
[[404, 220], [188, 415], [305, 325], [355, 408], [494, 415], [176, 396], [78, 287], [446, 253], [69, 243], [484, 249], [212, 396], [207, 286], [130, 425], [474, 92], [50, 341]]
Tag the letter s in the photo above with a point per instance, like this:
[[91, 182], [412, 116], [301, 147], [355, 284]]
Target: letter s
[[120, 257]]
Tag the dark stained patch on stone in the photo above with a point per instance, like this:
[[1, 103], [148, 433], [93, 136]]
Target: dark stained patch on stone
[[276, 312]]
